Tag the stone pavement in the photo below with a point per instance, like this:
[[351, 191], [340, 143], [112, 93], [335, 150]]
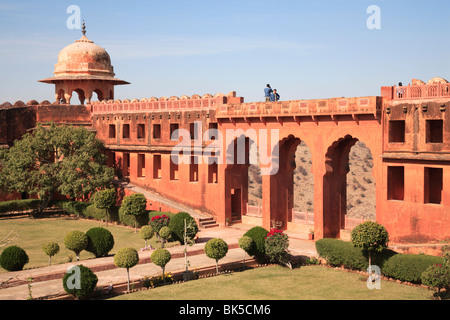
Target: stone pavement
[[107, 273]]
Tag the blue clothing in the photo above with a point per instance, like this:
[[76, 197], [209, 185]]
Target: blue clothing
[[267, 92], [272, 97]]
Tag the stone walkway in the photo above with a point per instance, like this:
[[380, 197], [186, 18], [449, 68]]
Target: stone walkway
[[108, 274]]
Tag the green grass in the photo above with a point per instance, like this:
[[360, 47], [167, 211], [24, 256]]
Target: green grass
[[277, 283], [34, 232]]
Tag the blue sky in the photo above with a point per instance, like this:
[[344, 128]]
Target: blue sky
[[305, 49]]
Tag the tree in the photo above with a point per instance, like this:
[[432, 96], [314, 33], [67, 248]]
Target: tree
[[216, 249], [50, 248], [64, 159], [134, 204], [165, 233], [371, 237], [245, 243], [76, 241], [126, 258], [105, 199], [161, 257], [146, 233]]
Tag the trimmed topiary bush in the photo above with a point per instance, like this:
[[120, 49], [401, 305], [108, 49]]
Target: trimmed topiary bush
[[50, 248], [409, 267], [176, 224], [146, 233], [216, 249], [371, 237], [245, 243], [165, 233], [100, 241], [76, 241], [126, 258], [161, 257], [258, 235], [13, 258], [80, 282]]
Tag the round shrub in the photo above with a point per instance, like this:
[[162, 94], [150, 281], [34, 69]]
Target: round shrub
[[50, 249], [100, 241], [13, 258], [161, 257], [245, 243], [258, 235], [436, 276], [176, 224], [146, 233], [216, 249], [165, 233], [80, 282], [276, 246], [126, 258], [76, 241], [370, 236]]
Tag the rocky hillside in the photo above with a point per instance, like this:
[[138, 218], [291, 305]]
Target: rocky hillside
[[360, 183]]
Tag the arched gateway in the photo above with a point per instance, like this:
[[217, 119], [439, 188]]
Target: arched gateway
[[330, 128]]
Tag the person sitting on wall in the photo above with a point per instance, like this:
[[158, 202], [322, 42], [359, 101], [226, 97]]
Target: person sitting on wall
[[267, 92], [274, 96]]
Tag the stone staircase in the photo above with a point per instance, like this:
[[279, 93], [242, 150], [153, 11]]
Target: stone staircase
[[204, 220], [207, 223]]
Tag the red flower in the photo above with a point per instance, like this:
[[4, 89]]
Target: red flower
[[274, 232]]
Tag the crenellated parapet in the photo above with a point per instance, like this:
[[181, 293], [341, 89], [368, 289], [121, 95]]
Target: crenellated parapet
[[20, 103], [315, 108], [173, 103]]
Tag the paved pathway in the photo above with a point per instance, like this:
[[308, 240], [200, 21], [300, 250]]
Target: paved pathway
[[298, 246]]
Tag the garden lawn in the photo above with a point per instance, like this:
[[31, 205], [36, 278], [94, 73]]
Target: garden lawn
[[278, 283], [34, 232]]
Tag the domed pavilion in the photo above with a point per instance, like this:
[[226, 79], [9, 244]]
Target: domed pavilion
[[85, 68]]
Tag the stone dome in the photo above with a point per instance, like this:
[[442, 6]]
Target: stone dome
[[437, 80], [85, 68], [83, 57]]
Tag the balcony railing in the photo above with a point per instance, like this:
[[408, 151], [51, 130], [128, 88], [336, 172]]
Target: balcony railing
[[428, 91]]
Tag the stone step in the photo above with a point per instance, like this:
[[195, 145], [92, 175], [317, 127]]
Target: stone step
[[207, 222]]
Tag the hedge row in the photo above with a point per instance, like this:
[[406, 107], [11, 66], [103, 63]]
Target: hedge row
[[90, 211], [403, 267], [7, 207]]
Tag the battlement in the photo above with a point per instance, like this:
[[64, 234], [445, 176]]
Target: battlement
[[297, 108], [19, 104], [195, 102]]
